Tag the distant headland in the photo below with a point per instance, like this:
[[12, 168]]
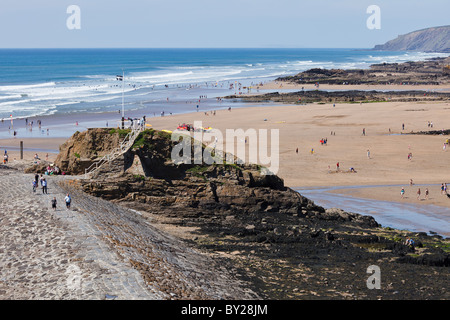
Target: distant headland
[[435, 39]]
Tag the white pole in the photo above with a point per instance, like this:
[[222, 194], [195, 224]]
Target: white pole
[[123, 80]]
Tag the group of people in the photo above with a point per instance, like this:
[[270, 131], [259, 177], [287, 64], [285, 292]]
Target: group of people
[[444, 189], [52, 170], [141, 121], [44, 183], [67, 200], [40, 179], [419, 192], [427, 192]]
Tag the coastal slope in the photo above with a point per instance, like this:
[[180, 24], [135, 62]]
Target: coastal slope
[[435, 39]]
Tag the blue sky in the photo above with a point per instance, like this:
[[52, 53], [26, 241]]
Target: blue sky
[[213, 23]]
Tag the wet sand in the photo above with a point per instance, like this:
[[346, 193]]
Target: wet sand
[[392, 193], [423, 215], [276, 85]]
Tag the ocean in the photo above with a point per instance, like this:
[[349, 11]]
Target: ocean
[[43, 82]]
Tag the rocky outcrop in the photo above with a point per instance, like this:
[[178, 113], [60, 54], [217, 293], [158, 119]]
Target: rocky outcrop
[[84, 148], [146, 177], [428, 72], [281, 243], [436, 39], [347, 96]]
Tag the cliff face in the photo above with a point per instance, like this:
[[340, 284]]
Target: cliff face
[[436, 39], [84, 148]]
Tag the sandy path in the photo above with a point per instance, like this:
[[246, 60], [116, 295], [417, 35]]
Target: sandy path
[[95, 250]]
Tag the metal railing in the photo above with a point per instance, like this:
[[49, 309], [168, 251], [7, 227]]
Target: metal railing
[[124, 146]]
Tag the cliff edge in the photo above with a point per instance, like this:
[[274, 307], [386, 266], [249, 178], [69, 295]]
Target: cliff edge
[[435, 39]]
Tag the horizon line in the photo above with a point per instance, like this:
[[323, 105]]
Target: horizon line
[[43, 48]]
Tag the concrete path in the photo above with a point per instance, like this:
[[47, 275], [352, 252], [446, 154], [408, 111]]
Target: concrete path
[[94, 250]]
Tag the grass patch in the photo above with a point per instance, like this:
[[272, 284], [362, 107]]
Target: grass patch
[[139, 177], [122, 132], [143, 140], [77, 155], [232, 165], [163, 134], [197, 169]]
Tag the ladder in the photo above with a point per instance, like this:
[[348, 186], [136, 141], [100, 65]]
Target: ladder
[[124, 146]]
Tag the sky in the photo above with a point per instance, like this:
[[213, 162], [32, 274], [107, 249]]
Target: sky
[[213, 23]]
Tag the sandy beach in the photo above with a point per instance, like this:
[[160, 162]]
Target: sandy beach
[[379, 157], [32, 146], [284, 85], [386, 163]]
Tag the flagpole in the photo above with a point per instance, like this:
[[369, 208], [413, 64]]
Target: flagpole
[[123, 80]]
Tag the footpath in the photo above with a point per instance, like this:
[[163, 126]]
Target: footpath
[[95, 250]]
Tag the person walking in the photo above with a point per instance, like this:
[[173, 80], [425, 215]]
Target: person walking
[[402, 192], [44, 186], [68, 200], [426, 193], [54, 203], [418, 194]]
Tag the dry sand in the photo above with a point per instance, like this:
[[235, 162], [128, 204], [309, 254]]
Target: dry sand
[[41, 146], [303, 126]]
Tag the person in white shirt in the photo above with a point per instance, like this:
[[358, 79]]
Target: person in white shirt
[[68, 201]]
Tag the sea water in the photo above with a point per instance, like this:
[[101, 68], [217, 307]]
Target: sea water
[[410, 216], [41, 82]]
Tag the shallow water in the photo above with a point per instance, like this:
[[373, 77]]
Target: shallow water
[[403, 216]]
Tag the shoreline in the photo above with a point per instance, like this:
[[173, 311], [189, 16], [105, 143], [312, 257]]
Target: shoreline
[[389, 213], [287, 85]]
